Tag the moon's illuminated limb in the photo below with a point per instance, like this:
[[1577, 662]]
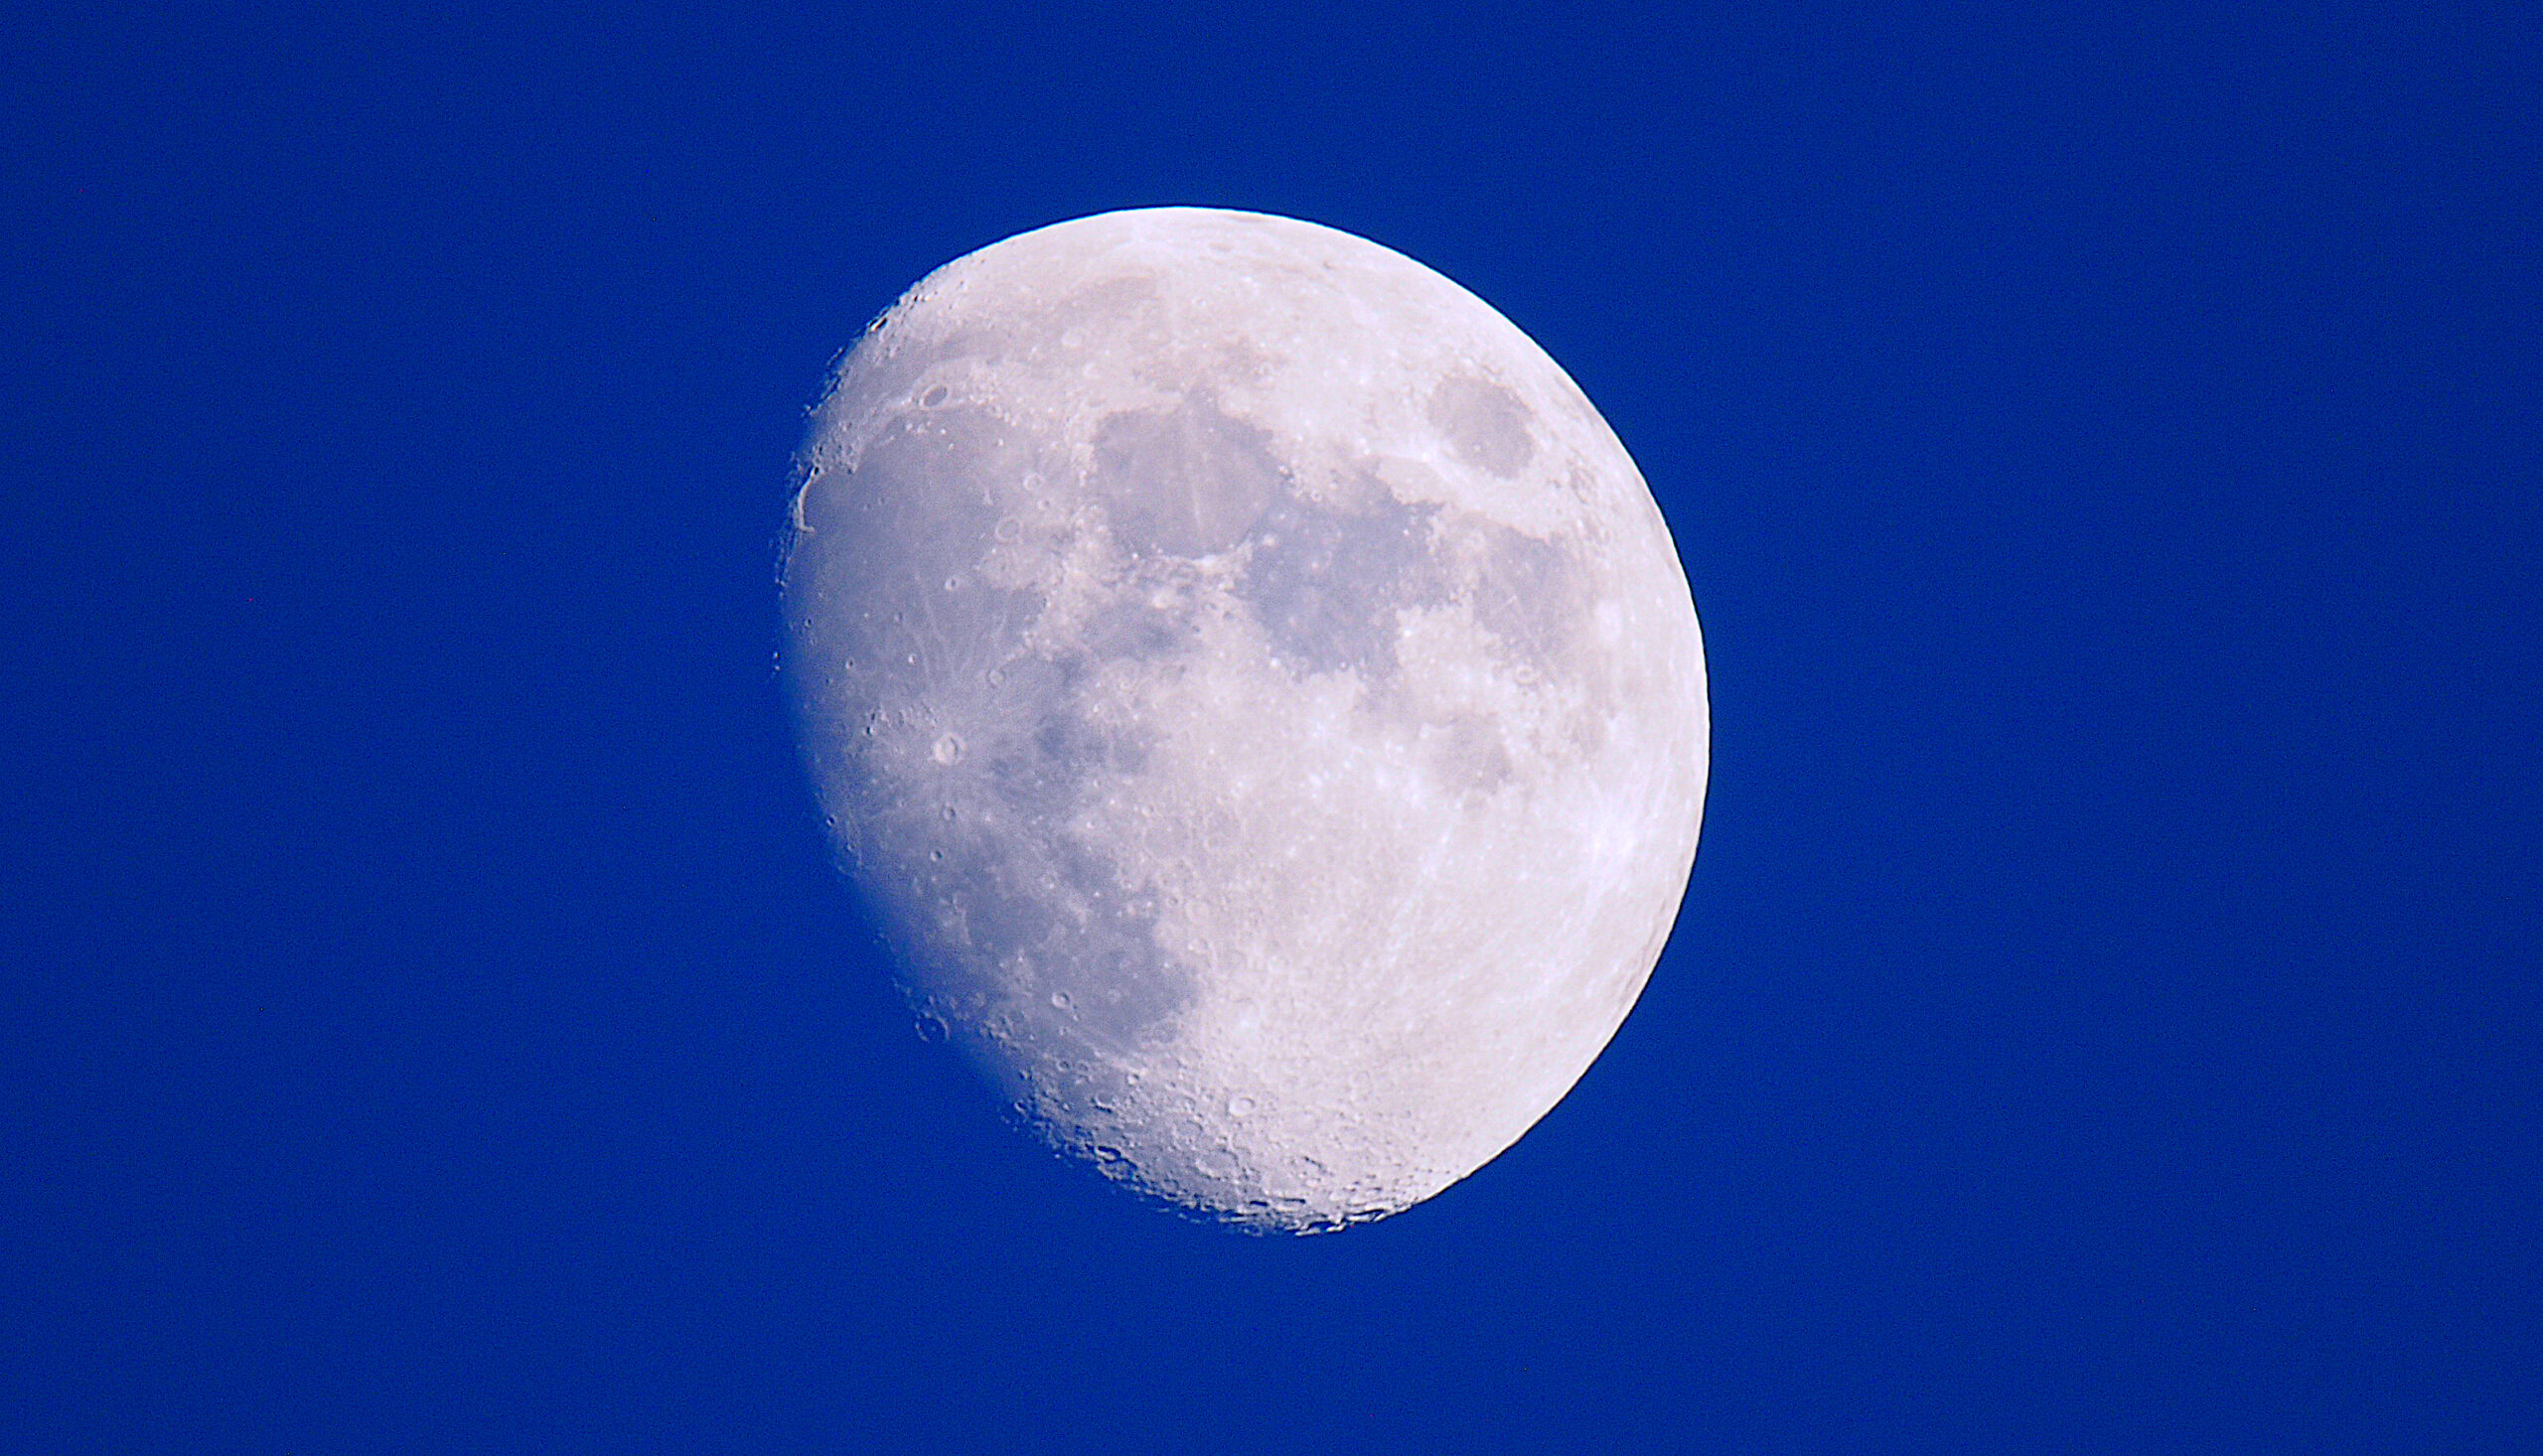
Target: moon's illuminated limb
[[1258, 696]]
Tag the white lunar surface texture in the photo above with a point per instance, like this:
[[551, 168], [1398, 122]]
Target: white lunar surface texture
[[1255, 695]]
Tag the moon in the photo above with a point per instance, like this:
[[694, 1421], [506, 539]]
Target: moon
[[1255, 696]]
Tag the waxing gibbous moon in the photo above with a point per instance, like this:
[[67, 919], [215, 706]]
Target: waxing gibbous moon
[[1255, 695]]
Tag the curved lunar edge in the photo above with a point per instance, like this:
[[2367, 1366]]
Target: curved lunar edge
[[1257, 697]]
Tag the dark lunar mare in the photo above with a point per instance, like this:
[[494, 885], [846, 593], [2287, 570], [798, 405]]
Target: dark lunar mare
[[1184, 480], [1485, 424], [951, 756], [1327, 580]]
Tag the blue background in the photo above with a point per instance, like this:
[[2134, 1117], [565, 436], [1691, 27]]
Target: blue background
[[2104, 1018]]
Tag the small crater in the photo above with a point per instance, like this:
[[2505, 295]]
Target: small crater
[[932, 398], [948, 750]]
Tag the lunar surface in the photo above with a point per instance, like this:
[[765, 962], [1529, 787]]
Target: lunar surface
[[1255, 695]]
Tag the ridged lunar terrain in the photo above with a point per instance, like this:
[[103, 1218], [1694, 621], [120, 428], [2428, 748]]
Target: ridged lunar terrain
[[1257, 697]]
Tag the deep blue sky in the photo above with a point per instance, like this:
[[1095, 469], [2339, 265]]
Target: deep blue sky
[[2102, 440]]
